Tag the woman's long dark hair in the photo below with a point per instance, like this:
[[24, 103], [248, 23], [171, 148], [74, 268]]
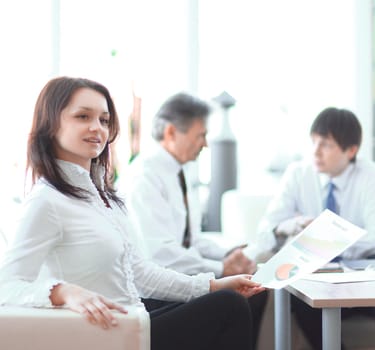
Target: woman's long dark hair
[[41, 157]]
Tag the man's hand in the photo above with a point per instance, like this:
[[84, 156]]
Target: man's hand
[[293, 226], [242, 246], [237, 263]]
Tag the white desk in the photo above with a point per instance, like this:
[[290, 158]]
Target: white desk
[[327, 296]]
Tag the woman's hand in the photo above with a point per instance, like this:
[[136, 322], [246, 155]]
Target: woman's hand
[[94, 307], [240, 283]]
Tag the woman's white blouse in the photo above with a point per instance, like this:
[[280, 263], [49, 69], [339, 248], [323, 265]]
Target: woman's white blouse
[[60, 239]]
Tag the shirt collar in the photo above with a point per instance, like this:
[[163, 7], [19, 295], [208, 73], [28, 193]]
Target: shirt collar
[[170, 163], [339, 181], [80, 177]]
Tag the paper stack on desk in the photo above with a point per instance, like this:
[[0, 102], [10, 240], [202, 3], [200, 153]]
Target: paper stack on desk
[[340, 277], [325, 238]]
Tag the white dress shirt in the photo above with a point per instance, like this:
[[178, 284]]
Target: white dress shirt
[[303, 191], [155, 197], [62, 239]]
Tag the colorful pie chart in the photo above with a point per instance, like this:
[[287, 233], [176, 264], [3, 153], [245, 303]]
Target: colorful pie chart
[[285, 271]]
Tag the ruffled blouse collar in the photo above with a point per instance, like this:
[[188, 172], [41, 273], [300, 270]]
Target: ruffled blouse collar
[[79, 177]]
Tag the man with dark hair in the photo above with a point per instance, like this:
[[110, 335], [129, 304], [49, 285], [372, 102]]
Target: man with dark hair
[[332, 179], [164, 206]]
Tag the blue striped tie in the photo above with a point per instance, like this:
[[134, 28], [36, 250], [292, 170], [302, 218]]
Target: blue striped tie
[[331, 201], [332, 205]]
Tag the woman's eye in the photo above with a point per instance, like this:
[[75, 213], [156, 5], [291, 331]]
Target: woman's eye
[[82, 116]]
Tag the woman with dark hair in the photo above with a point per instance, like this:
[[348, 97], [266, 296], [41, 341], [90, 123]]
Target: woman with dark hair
[[41, 157], [74, 244]]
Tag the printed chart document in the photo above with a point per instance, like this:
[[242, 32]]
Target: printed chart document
[[325, 238]]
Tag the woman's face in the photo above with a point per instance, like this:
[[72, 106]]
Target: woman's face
[[83, 131]]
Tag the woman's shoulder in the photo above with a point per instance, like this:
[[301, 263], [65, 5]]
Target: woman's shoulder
[[43, 192]]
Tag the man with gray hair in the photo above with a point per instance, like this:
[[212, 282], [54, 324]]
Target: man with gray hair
[[164, 206]]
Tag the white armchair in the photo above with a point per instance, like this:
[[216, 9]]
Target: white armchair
[[61, 329]]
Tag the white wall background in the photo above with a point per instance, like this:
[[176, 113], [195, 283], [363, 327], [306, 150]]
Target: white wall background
[[283, 60]]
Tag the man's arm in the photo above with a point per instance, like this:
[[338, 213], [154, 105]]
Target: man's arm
[[282, 217], [154, 215], [363, 215]]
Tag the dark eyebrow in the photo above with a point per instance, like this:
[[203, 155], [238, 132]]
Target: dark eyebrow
[[90, 109]]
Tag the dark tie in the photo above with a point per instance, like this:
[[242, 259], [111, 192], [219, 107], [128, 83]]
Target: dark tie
[[187, 233], [331, 203]]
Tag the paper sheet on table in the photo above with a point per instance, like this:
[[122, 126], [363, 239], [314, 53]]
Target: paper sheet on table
[[342, 277], [325, 238]]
